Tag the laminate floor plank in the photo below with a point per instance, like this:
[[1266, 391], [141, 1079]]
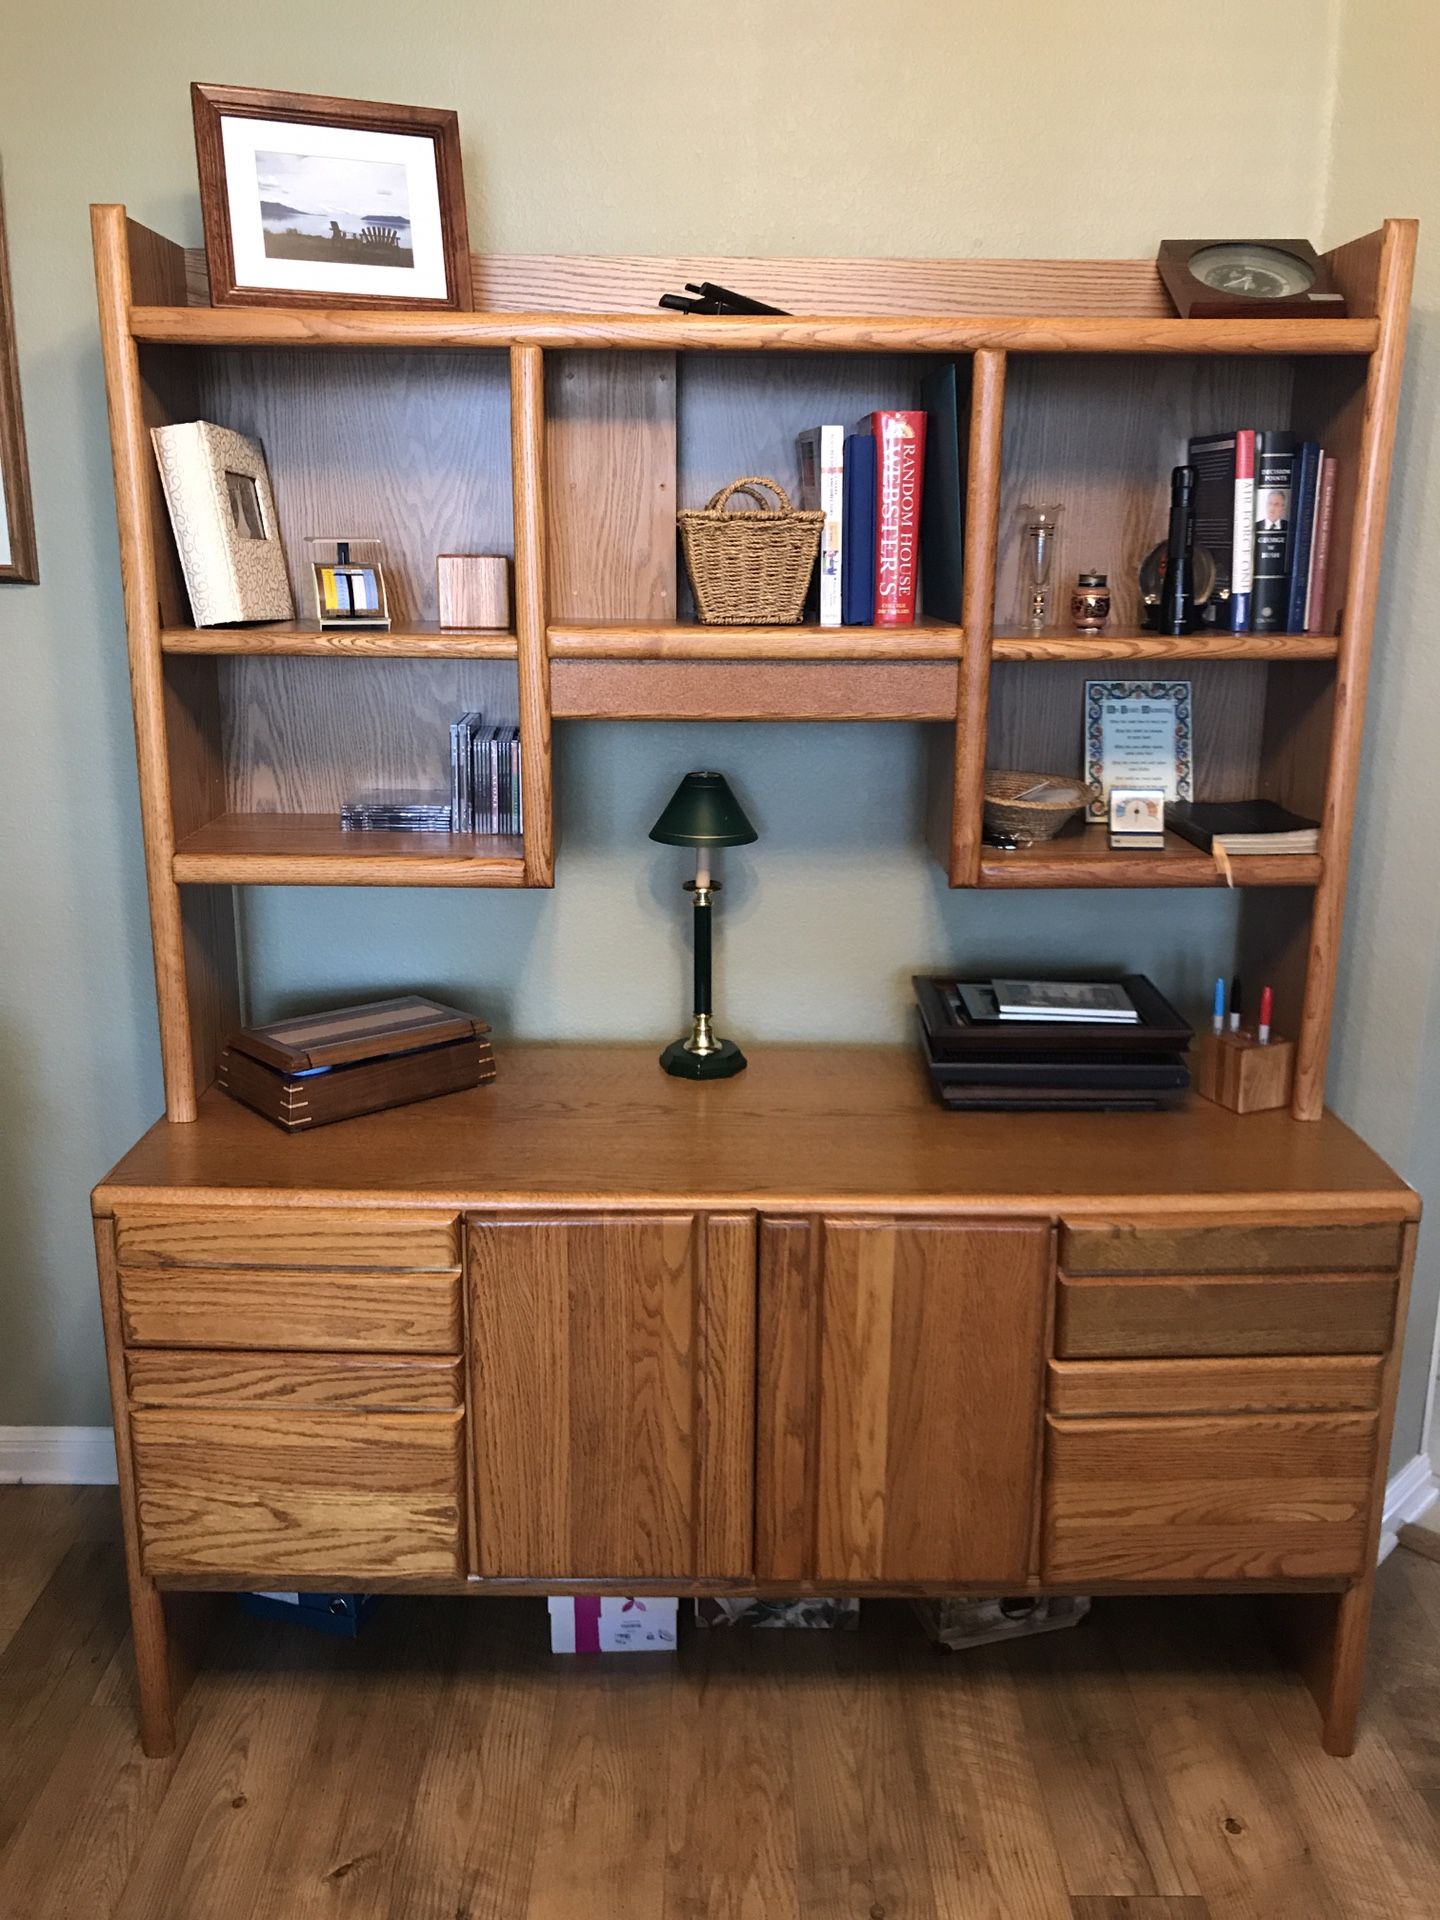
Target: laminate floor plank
[[600, 1841], [82, 1834], [733, 1844], [1236, 1821], [37, 1525], [253, 1711], [469, 1849], [1156, 1764], [1138, 1906], [52, 1664], [1105, 1799]]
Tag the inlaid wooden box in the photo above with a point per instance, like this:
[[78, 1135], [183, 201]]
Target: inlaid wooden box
[[1235, 1071]]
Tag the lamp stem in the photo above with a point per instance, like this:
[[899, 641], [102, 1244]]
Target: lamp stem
[[702, 951]]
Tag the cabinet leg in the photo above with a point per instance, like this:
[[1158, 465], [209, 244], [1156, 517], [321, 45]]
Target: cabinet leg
[[1325, 1635], [169, 1631]]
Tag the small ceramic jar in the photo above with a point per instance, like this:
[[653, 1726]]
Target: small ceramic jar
[[1090, 603]]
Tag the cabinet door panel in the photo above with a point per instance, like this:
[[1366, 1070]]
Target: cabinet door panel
[[900, 1381], [613, 1394]]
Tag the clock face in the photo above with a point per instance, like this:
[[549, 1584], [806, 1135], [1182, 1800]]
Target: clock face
[[1250, 272]]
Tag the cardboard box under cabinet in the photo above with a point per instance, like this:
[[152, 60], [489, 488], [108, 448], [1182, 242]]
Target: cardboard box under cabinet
[[612, 1623]]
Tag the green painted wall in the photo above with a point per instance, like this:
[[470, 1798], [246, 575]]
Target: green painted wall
[[808, 129]]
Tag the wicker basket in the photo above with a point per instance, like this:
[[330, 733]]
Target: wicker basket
[[1029, 820], [750, 569]]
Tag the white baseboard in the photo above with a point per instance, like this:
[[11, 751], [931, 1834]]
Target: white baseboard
[[1410, 1493], [57, 1456]]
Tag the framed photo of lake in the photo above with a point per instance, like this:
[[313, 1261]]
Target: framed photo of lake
[[314, 202], [1138, 733]]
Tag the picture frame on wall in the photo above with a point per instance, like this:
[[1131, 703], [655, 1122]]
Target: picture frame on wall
[[18, 561], [312, 201]]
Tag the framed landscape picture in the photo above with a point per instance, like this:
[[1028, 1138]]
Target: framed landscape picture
[[314, 202], [17, 522]]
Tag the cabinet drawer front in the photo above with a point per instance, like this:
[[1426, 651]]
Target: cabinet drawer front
[[1266, 1497], [1124, 1316], [259, 1493], [1315, 1384], [1122, 1247], [378, 1383], [292, 1237], [320, 1312]]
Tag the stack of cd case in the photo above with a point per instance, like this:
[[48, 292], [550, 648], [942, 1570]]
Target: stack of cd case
[[398, 809], [1082, 1046]]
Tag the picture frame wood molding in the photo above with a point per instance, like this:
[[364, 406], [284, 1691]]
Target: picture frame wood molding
[[213, 104], [20, 563]]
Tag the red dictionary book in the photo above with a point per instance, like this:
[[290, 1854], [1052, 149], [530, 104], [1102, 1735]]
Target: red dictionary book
[[899, 478]]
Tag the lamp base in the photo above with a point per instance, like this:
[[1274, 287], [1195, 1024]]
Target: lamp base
[[726, 1059]]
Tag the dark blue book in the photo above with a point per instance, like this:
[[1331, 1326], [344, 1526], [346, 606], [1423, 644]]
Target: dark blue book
[[857, 532], [1275, 461], [1306, 496]]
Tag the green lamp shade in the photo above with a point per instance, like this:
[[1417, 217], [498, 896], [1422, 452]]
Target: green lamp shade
[[703, 812]]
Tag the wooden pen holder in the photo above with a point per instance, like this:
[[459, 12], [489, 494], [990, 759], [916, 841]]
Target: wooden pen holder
[[1235, 1071]]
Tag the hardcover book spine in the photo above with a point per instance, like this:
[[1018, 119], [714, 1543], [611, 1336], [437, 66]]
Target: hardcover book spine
[[1242, 575], [1320, 547], [1306, 495], [899, 479], [822, 482], [857, 553], [1274, 507]]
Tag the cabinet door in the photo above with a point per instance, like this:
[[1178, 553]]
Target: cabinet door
[[612, 1392], [900, 1380]]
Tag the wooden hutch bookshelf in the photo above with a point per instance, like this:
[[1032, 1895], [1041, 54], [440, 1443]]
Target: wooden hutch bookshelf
[[562, 422]]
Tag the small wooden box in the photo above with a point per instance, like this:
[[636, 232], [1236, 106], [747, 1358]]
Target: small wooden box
[[334, 1066], [1235, 1071], [474, 590]]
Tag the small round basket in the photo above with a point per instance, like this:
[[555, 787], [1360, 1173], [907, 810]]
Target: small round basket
[[1030, 806], [750, 569]]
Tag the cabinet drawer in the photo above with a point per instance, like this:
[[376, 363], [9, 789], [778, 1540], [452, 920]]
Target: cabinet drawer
[[319, 1312], [262, 1493], [1199, 1247], [379, 1383], [288, 1237], [1121, 1316], [1268, 1497], [1314, 1384]]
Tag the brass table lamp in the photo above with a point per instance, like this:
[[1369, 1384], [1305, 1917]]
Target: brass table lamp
[[703, 813]]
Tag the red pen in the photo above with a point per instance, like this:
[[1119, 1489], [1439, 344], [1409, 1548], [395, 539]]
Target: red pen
[[1267, 1007]]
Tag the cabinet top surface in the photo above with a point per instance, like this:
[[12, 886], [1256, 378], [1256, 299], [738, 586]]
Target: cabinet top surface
[[803, 1127]]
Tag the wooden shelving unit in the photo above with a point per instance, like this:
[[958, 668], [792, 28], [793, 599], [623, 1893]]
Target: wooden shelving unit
[[564, 420]]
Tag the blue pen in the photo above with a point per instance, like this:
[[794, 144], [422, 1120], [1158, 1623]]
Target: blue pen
[[1217, 1024]]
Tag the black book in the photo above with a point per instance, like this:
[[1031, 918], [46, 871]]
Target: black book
[[1242, 826], [1274, 531]]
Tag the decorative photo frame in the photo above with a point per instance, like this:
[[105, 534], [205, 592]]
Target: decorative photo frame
[[18, 560], [1138, 733], [310, 201]]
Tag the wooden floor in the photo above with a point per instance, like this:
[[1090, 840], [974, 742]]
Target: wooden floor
[[1154, 1762]]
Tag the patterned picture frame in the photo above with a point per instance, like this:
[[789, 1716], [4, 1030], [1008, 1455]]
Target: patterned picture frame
[[1169, 703]]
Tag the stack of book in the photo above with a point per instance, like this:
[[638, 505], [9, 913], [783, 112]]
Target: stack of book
[[1052, 1045], [891, 495], [485, 784], [1265, 509]]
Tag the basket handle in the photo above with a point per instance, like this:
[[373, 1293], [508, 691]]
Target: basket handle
[[748, 485]]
